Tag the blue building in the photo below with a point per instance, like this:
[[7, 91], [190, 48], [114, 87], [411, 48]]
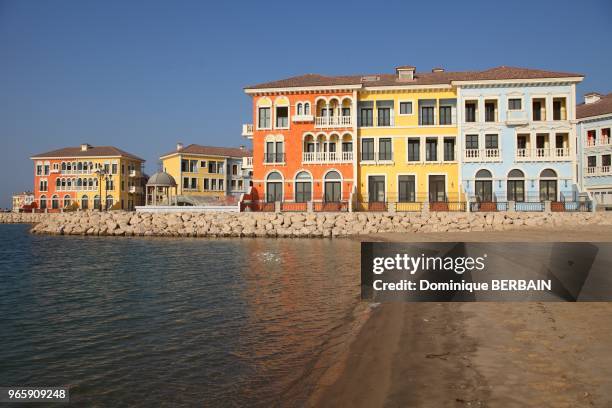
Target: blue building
[[517, 139], [595, 147]]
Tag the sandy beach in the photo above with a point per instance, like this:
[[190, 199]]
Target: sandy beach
[[478, 354]]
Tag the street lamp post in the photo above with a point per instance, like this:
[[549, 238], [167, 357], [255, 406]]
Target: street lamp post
[[101, 173]]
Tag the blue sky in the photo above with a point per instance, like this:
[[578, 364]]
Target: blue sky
[[142, 75]]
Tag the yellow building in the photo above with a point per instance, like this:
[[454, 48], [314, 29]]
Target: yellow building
[[203, 172], [407, 133], [88, 177]]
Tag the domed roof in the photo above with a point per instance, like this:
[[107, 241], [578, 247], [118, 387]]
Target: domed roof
[[161, 179]]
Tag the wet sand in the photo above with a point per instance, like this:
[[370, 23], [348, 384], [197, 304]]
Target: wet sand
[[478, 354]]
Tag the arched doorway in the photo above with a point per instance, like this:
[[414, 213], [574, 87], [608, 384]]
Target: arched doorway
[[67, 201], [109, 202], [84, 202], [303, 187], [548, 185], [55, 202], [274, 187], [97, 202], [43, 202], [483, 187], [333, 187], [516, 186]]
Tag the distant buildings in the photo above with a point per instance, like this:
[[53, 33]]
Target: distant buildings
[[23, 201], [88, 177], [595, 144]]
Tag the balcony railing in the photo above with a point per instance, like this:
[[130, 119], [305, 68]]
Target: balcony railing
[[482, 154], [247, 129], [333, 121], [327, 157], [274, 158], [597, 171], [603, 141], [543, 154]]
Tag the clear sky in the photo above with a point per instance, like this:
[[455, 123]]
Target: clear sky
[[142, 75]]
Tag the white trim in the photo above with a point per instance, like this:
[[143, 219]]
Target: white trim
[[399, 107]]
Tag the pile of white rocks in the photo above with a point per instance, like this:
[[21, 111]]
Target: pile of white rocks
[[122, 223]]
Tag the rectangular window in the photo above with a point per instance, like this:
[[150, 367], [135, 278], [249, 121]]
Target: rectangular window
[[212, 167], [407, 189], [206, 184], [114, 168], [366, 117], [427, 116], [184, 165], [405, 108], [592, 161], [282, 117], [385, 149], [516, 190], [240, 184], [431, 149], [347, 146], [213, 184], [367, 149], [39, 170], [203, 164], [537, 110], [449, 149], [514, 104], [264, 118], [446, 115], [491, 142], [470, 111], [233, 184], [221, 185], [384, 116], [605, 160], [471, 141], [234, 169], [346, 112], [193, 166], [414, 150], [194, 183], [186, 182], [280, 157], [490, 112]]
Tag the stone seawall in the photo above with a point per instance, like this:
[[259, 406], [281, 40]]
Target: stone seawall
[[121, 223]]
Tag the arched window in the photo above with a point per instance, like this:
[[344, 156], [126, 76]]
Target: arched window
[[97, 202], [548, 185], [84, 202], [67, 200], [43, 202], [69, 167], [80, 166], [63, 184], [516, 185], [307, 108], [55, 202], [79, 183], [69, 184], [63, 166], [484, 186], [299, 109], [484, 174], [274, 187], [303, 187], [58, 183], [332, 187]]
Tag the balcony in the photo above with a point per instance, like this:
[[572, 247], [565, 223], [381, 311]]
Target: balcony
[[327, 157], [270, 158], [516, 117], [482, 155], [333, 121], [597, 171], [603, 141], [247, 130], [543, 154], [247, 163]]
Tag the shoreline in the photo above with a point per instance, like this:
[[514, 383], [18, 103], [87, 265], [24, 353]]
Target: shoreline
[[300, 225]]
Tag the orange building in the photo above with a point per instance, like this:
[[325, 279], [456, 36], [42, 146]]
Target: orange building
[[304, 143]]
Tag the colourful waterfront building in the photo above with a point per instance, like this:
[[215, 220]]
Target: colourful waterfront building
[[205, 173], [88, 177], [594, 125], [23, 201], [518, 139]]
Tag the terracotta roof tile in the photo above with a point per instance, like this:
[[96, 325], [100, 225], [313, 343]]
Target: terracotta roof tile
[[213, 151], [92, 151], [601, 107], [420, 78]]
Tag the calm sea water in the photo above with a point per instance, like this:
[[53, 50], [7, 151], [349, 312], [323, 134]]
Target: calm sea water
[[167, 322]]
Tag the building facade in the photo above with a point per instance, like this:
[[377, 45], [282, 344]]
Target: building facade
[[205, 173], [407, 140], [88, 177], [594, 169], [23, 201], [517, 135]]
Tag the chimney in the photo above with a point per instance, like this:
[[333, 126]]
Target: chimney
[[179, 146], [591, 97], [405, 72], [437, 69], [85, 147], [241, 147]]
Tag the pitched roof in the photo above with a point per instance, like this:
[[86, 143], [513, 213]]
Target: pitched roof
[[92, 151], [601, 107], [212, 151], [420, 78]]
